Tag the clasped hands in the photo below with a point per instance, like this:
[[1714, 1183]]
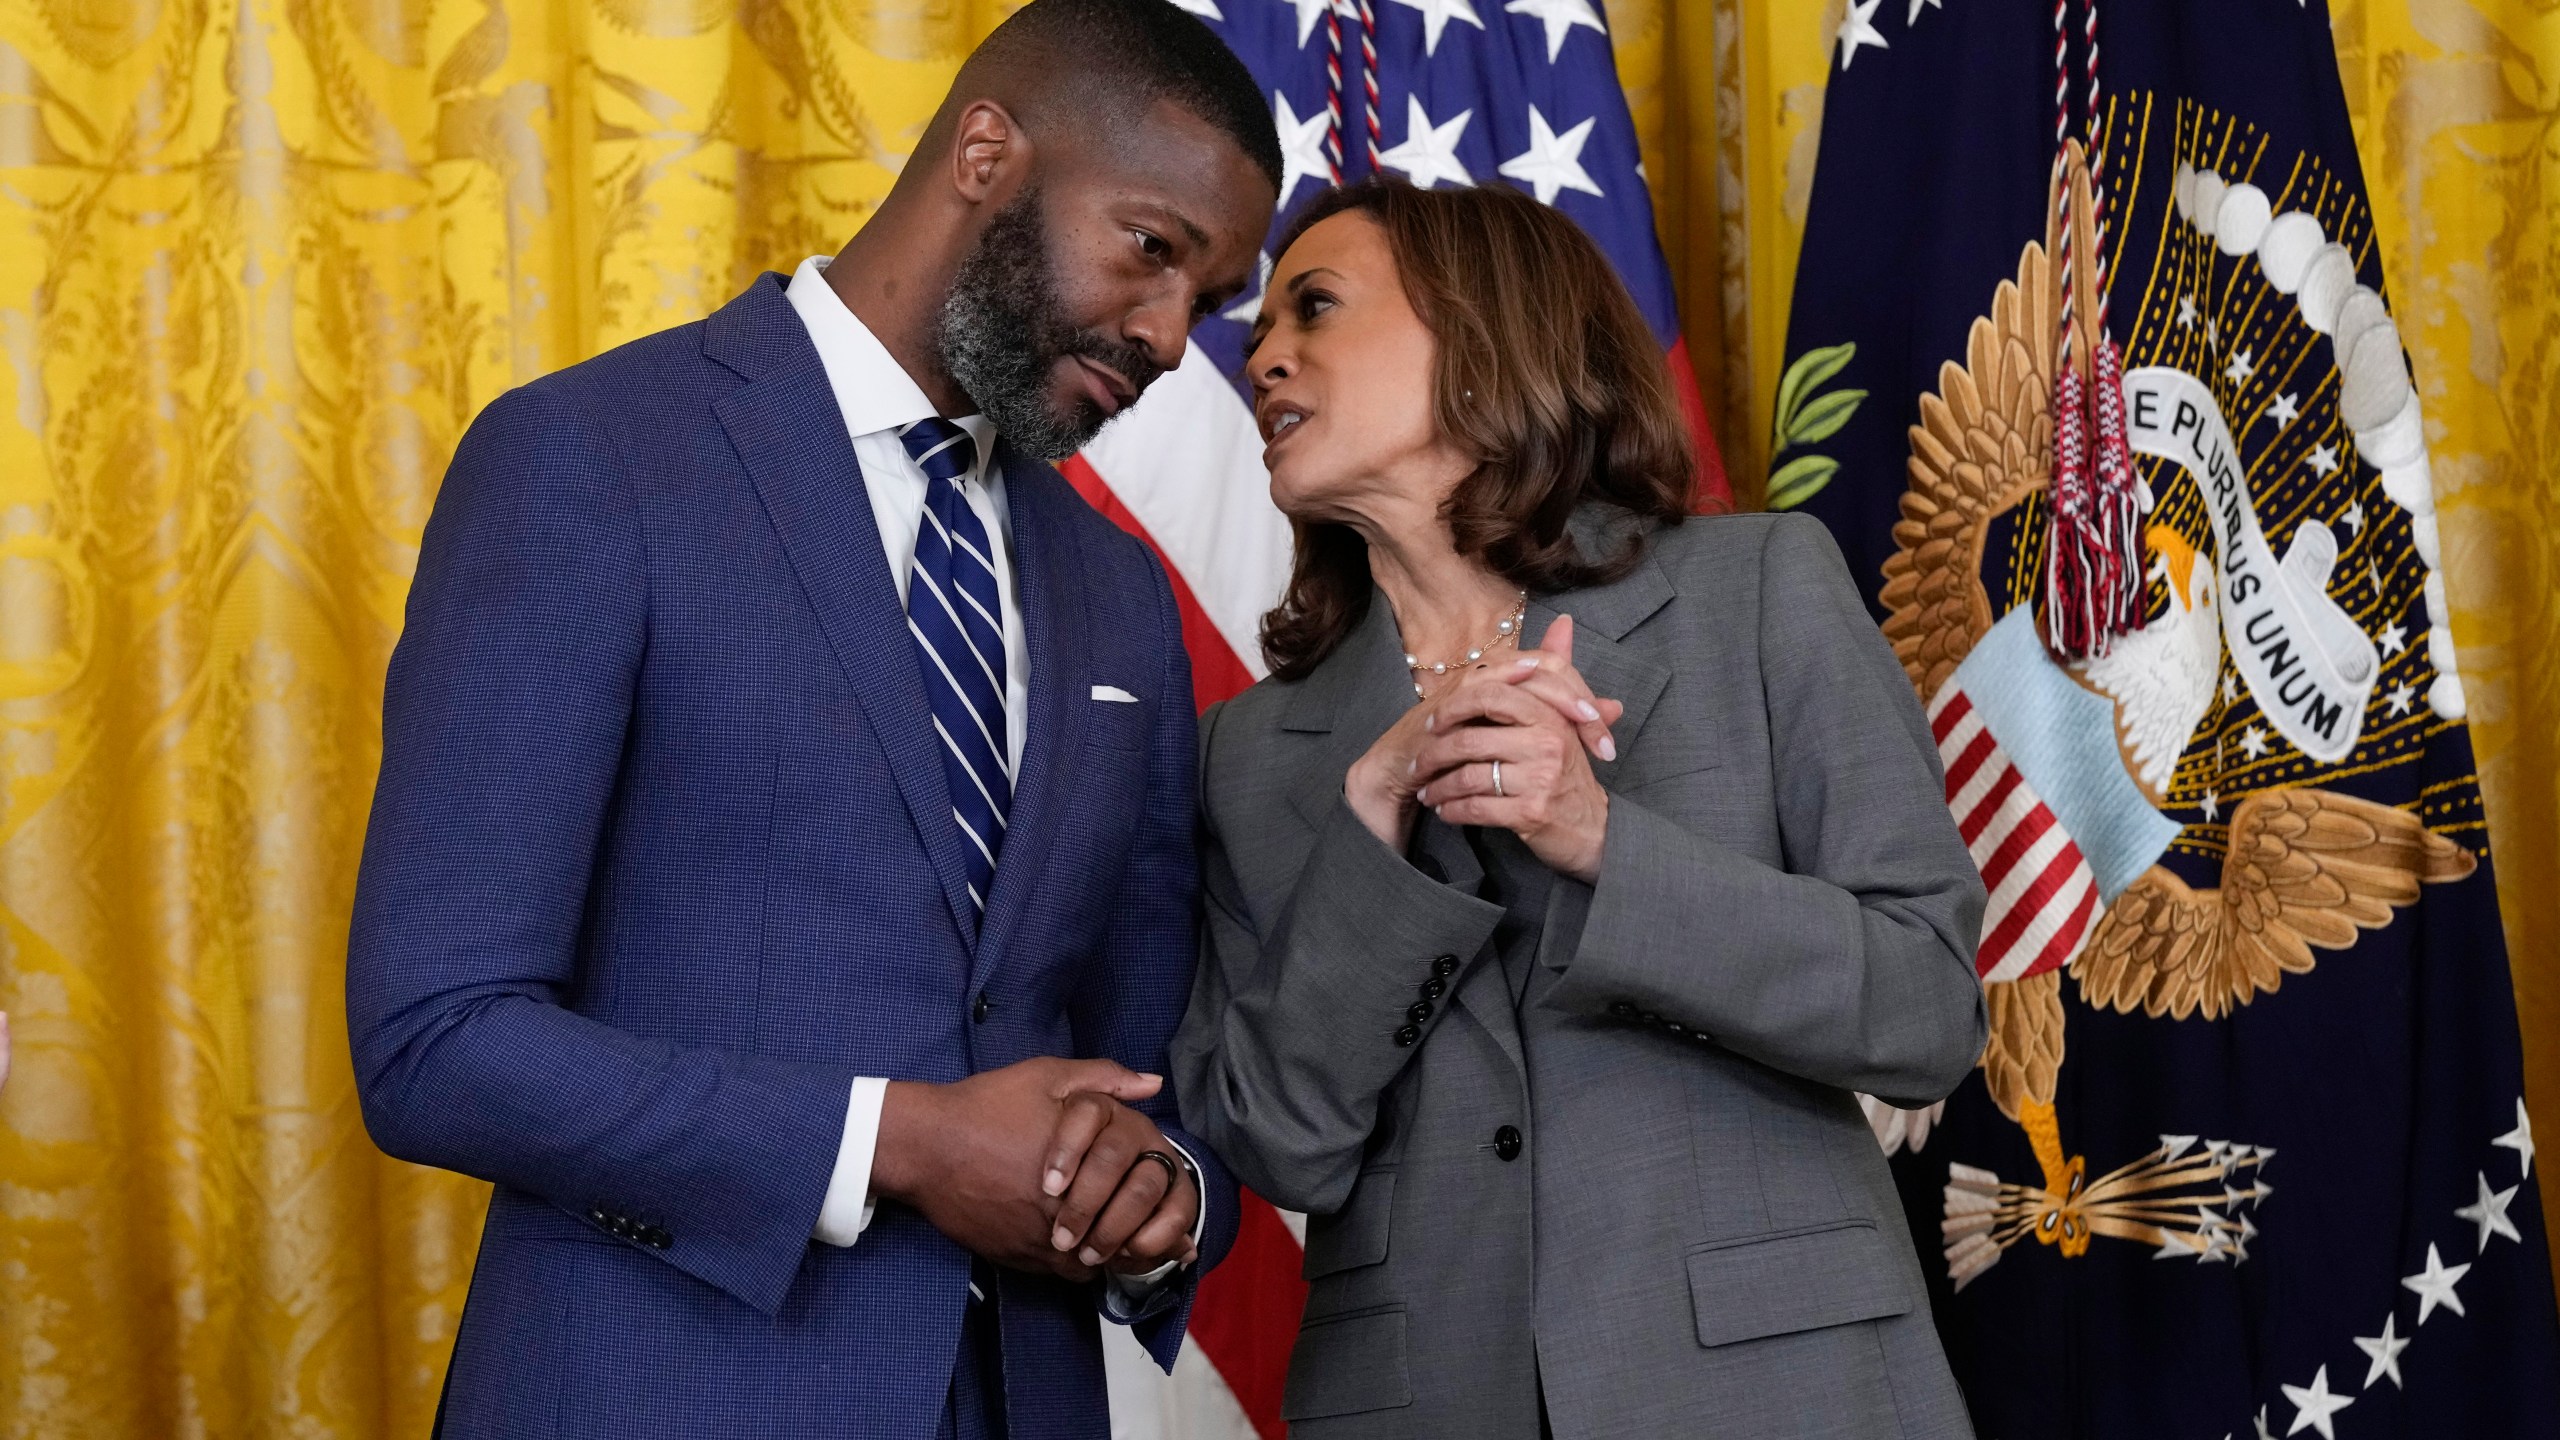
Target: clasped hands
[[1536, 716], [1038, 1167]]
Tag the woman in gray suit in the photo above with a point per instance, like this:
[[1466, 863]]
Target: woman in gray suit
[[1542, 978]]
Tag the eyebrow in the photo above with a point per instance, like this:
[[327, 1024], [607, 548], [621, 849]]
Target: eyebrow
[[1190, 229]]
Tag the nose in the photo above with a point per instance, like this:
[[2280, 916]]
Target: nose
[[1268, 363], [1162, 328]]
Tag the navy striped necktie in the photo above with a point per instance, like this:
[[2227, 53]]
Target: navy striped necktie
[[955, 615]]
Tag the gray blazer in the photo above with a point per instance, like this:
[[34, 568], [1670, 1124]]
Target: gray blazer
[[1601, 1139]]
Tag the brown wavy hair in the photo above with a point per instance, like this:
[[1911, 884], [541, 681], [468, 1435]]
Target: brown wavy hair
[[1544, 372]]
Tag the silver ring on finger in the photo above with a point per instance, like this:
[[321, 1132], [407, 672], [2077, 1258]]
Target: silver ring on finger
[[1497, 777]]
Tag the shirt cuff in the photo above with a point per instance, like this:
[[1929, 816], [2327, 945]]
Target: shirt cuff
[[848, 1207]]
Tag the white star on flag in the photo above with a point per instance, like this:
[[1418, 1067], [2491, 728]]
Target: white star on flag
[[2212, 806], [1301, 146], [2385, 1349], [2322, 459], [1308, 10], [1436, 15], [2400, 696], [1205, 9], [1857, 28], [1552, 162], [2353, 516], [2186, 312], [1429, 153], [2231, 689], [1560, 17], [2434, 1285], [2313, 1404], [1916, 7], [2520, 1139], [2239, 369], [1249, 308], [2263, 1432], [2212, 333], [2253, 743], [2284, 409], [2490, 1214], [2394, 638]]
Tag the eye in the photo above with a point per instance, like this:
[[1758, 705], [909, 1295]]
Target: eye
[[1312, 303], [1152, 246]]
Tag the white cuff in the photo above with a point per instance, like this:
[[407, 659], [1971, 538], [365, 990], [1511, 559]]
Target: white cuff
[[849, 1206]]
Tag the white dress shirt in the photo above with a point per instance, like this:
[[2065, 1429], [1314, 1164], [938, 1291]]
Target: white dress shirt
[[879, 398]]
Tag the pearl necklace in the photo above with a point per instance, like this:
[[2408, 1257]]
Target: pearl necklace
[[1509, 630]]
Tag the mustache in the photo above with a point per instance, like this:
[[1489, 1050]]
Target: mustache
[[1130, 361]]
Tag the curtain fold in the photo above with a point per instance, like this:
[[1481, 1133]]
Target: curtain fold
[[261, 261]]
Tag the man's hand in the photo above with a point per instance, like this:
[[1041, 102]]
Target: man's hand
[[1121, 1211], [969, 1155]]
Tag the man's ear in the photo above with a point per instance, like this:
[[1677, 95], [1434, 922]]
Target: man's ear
[[987, 145]]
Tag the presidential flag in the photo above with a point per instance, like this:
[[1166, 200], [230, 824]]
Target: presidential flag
[[1437, 92], [2093, 373]]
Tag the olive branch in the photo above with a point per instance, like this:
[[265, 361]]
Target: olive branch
[[1806, 417]]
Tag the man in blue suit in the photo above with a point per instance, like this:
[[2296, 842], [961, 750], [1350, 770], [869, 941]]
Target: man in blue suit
[[780, 878]]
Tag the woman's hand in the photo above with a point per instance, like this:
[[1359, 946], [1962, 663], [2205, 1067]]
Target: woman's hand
[[1382, 784], [1548, 795]]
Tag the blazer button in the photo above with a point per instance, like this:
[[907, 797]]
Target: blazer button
[[1434, 988], [1506, 1144], [1408, 1035], [656, 1239], [1418, 1012], [1624, 1010], [1445, 966], [979, 1011]]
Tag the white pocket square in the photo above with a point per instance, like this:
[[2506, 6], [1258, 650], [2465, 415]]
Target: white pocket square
[[1114, 694]]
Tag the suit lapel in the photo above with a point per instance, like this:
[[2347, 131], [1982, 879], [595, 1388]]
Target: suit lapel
[[790, 434], [1048, 583]]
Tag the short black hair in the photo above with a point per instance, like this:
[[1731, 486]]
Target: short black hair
[[1117, 57]]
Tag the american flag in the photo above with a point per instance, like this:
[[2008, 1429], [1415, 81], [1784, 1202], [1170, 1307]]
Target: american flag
[[1440, 92], [2044, 897]]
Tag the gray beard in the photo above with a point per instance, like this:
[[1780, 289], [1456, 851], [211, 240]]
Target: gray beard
[[1002, 331]]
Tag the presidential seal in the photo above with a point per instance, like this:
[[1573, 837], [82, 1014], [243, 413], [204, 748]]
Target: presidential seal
[[2150, 613]]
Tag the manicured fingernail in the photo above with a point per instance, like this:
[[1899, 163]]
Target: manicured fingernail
[[1437, 814], [1586, 709], [1413, 764], [1054, 1183], [1526, 662], [1431, 719], [1089, 1256], [1061, 1239], [1608, 748]]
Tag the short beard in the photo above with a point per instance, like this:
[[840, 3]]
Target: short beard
[[1003, 330]]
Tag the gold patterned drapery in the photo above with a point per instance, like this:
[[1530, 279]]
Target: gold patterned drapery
[[260, 261]]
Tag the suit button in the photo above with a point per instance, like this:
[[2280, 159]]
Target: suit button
[[1506, 1144], [1434, 988], [1432, 869], [1408, 1035], [979, 1011], [598, 1217], [1624, 1010], [1445, 966], [1418, 1012], [656, 1239]]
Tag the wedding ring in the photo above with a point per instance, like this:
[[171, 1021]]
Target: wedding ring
[[1497, 777]]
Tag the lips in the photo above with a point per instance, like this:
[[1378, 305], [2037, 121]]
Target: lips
[[1107, 387], [1277, 417]]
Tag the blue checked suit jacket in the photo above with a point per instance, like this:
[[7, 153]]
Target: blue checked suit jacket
[[661, 858]]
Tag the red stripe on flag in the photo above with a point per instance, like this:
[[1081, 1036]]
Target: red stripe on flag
[[2012, 849], [1714, 493], [1987, 809], [1246, 1318], [1960, 774], [2058, 949], [1950, 715], [1996, 945], [1216, 673]]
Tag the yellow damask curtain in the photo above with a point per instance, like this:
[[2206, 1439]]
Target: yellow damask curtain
[[261, 261]]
